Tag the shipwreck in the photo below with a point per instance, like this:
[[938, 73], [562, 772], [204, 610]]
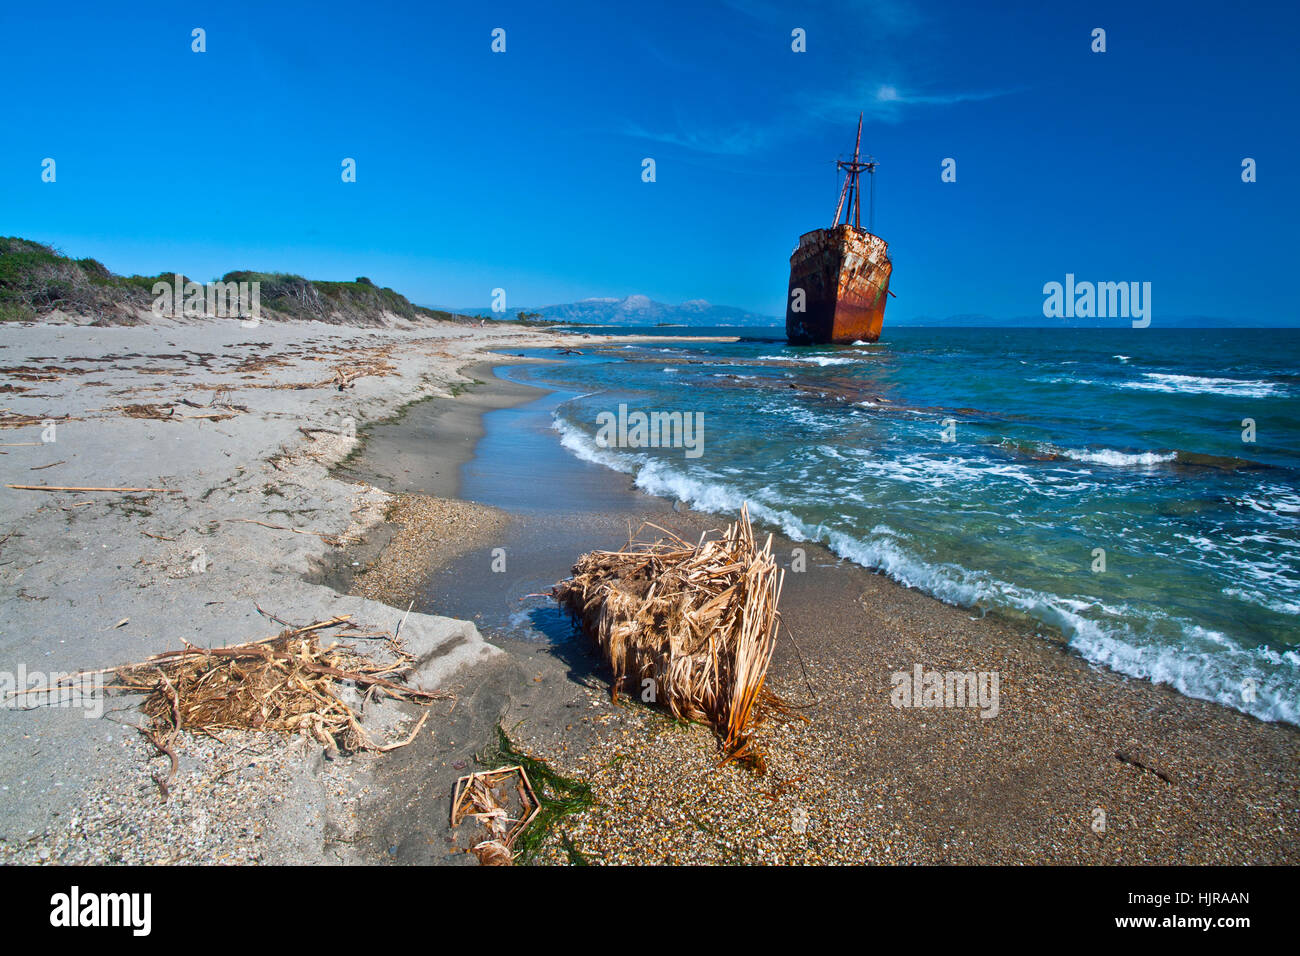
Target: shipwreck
[[839, 277]]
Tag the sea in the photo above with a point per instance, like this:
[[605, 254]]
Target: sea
[[1134, 493]]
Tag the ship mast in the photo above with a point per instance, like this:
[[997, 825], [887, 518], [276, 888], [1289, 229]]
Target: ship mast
[[852, 188]]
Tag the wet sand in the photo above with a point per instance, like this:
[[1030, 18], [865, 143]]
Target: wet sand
[[1079, 765], [241, 426], [243, 429]]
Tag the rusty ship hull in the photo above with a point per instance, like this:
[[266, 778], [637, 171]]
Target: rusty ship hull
[[839, 283]]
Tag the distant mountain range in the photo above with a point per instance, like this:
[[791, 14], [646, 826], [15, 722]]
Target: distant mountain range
[[638, 310], [641, 310]]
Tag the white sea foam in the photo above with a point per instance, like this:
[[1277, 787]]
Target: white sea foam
[[1102, 456], [1118, 459], [1262, 600], [1210, 665], [822, 360], [1205, 385], [1183, 385], [1275, 499]]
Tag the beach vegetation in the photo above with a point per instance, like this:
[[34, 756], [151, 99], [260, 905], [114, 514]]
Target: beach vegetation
[[459, 388], [559, 796], [531, 320], [36, 279]]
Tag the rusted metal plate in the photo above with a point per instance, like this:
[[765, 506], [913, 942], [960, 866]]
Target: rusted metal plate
[[843, 274]]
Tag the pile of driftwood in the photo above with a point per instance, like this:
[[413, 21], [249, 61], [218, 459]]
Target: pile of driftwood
[[285, 683], [165, 412], [699, 621], [345, 376]]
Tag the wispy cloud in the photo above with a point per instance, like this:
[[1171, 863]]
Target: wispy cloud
[[738, 140], [888, 102], [880, 91]]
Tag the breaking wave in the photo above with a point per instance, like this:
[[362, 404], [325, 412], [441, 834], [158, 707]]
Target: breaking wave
[[822, 360], [1183, 385], [1209, 665], [1108, 457], [1119, 459], [1205, 385]]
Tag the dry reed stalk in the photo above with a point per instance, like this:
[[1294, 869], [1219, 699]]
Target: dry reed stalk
[[10, 419], [282, 683], [486, 796], [700, 621], [146, 411], [172, 491]]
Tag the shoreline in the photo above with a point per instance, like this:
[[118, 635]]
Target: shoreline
[[1175, 779], [243, 427], [877, 784]]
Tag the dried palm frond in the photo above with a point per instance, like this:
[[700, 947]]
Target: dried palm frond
[[488, 797], [282, 683], [700, 621]]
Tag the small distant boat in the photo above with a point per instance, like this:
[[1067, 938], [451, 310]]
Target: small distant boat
[[839, 277]]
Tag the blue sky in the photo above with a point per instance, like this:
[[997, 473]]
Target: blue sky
[[522, 170]]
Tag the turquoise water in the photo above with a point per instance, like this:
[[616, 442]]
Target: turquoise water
[[1062, 442]]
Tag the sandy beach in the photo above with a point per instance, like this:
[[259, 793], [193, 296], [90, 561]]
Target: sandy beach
[[271, 502], [240, 426], [1079, 765]]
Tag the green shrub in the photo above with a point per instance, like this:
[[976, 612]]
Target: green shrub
[[36, 278]]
